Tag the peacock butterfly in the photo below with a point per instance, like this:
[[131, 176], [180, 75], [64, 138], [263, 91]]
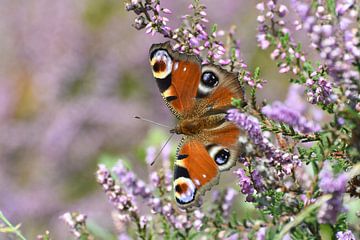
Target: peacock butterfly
[[199, 95]]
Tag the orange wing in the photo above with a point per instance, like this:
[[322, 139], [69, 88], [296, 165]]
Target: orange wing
[[194, 172], [220, 87], [177, 76]]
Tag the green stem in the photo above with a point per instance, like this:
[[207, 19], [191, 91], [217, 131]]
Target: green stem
[[14, 229]]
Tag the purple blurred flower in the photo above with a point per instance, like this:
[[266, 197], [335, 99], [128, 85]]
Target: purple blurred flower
[[319, 91], [281, 113], [77, 224], [245, 184], [150, 155], [260, 235], [131, 182], [347, 235], [123, 202], [256, 178], [228, 201], [198, 223], [336, 41], [329, 184]]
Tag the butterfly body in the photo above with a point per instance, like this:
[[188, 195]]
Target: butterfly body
[[199, 96], [197, 125]]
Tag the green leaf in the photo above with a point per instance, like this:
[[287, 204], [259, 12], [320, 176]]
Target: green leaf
[[331, 6], [213, 28], [284, 40], [236, 102], [326, 231], [257, 72], [308, 67], [233, 54]]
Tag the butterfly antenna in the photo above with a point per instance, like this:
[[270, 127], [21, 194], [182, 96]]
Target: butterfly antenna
[[162, 148], [153, 122]]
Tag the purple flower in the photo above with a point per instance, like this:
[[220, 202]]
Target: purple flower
[[281, 113], [76, 222], [131, 182], [347, 235], [150, 155], [294, 98], [245, 184], [258, 184], [122, 201], [198, 223], [319, 91], [249, 123], [343, 6], [228, 201], [260, 235], [329, 184], [277, 158], [283, 10], [334, 46]]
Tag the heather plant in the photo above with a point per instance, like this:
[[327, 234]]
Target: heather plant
[[299, 171]]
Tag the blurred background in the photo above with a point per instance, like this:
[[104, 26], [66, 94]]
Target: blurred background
[[72, 76]]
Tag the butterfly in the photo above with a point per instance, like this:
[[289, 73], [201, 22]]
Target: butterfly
[[199, 96]]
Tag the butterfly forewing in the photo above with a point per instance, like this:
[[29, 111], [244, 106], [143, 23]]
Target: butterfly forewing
[[177, 76]]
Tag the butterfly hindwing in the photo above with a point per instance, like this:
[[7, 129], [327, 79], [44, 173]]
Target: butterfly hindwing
[[194, 171], [223, 144], [200, 159]]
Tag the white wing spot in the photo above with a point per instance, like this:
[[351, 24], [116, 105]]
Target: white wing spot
[[184, 69], [204, 176], [176, 66], [197, 182]]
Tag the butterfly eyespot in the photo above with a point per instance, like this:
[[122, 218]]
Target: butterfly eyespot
[[209, 79], [161, 63], [185, 190], [159, 66], [222, 156]]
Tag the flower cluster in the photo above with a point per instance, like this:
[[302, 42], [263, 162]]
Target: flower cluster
[[283, 161], [274, 31], [249, 184], [154, 23], [347, 235], [122, 201], [77, 224], [336, 39], [319, 89], [138, 187], [336, 186], [280, 112]]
